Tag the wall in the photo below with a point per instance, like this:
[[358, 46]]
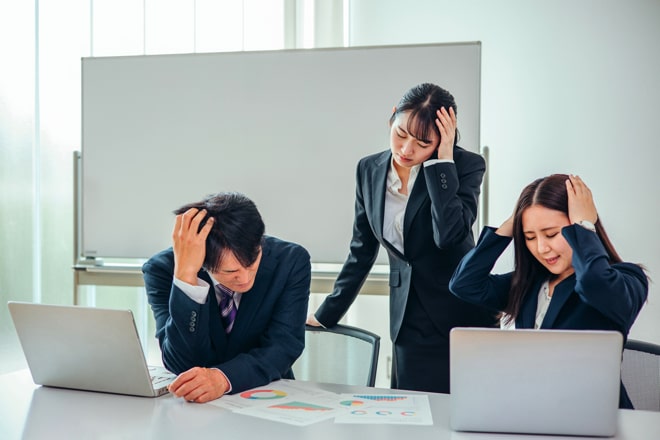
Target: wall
[[40, 43], [567, 86]]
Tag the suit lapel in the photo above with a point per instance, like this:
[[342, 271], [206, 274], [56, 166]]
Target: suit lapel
[[562, 292], [416, 199], [217, 330], [376, 186], [527, 314]]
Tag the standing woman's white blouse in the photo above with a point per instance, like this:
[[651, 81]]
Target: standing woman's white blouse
[[395, 205]]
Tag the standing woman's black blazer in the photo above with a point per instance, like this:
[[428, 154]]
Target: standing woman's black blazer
[[441, 210]]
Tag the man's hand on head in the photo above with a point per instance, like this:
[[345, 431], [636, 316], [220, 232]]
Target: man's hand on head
[[189, 243]]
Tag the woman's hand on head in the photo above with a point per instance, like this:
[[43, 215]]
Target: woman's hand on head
[[581, 204], [446, 123], [506, 228]]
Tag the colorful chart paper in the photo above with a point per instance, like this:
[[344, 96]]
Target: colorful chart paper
[[263, 394]]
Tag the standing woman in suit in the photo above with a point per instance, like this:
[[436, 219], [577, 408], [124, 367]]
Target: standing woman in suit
[[567, 274], [419, 201]]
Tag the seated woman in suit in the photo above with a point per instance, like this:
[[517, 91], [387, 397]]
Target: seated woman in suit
[[567, 273]]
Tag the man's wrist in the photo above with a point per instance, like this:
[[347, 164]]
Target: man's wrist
[[225, 384]]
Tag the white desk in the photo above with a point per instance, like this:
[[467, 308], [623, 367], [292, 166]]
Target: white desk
[[31, 412]]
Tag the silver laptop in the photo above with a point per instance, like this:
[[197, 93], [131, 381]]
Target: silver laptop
[[558, 382], [86, 348]]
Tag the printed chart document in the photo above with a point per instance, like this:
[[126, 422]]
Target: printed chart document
[[289, 401], [407, 409], [300, 412], [283, 401]]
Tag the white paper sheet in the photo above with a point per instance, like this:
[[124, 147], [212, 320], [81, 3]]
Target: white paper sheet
[[293, 402]]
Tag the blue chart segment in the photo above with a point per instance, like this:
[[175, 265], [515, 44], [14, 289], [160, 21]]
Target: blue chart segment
[[381, 398]]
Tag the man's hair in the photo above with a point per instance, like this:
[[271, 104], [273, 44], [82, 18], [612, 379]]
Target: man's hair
[[238, 228]]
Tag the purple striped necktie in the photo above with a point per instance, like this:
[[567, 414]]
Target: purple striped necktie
[[227, 307]]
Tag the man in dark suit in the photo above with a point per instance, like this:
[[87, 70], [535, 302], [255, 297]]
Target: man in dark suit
[[229, 302]]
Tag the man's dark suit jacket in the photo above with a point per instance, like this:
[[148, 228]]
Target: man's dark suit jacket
[[441, 210], [269, 329]]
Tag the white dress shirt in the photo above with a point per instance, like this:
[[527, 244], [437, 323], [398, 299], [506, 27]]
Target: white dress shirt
[[395, 205], [542, 304], [199, 292]]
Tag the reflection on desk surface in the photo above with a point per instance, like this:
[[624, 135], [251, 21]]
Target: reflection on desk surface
[[70, 414], [53, 407]]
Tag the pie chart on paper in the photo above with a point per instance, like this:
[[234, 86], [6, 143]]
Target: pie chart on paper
[[263, 394]]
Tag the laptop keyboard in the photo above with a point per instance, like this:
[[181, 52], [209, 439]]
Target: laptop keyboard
[[160, 375]]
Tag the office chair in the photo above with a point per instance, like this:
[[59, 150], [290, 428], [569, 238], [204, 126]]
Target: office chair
[[640, 374], [341, 354]]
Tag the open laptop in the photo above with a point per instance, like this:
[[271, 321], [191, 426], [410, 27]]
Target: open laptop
[[86, 348], [558, 382]]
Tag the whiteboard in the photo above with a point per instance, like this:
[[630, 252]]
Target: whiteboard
[[286, 128]]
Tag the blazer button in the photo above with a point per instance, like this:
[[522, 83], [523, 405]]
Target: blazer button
[[443, 180], [192, 329], [444, 186], [443, 175], [193, 313]]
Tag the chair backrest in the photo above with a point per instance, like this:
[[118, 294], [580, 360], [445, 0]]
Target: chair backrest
[[341, 354], [640, 374]]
